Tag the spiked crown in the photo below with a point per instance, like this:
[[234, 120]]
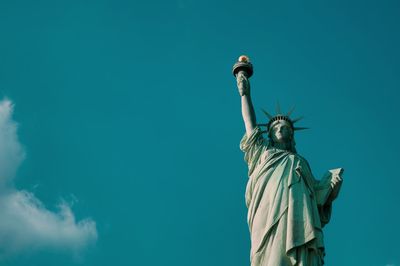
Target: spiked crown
[[281, 117]]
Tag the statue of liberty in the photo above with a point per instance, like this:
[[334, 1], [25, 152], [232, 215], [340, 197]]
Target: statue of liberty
[[287, 206]]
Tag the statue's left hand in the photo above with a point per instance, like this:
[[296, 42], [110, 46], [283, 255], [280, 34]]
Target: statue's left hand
[[336, 184]]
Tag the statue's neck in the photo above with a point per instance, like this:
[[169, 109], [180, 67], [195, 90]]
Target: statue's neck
[[283, 146]]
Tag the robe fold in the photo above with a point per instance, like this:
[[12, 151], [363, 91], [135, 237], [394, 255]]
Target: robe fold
[[284, 219]]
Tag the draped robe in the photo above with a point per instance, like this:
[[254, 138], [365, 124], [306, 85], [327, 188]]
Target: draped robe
[[284, 218]]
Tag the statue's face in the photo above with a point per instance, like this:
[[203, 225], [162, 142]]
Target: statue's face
[[281, 132]]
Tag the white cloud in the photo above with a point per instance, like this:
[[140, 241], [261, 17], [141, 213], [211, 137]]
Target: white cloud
[[11, 152], [25, 223]]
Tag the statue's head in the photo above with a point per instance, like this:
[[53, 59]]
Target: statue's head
[[281, 129]]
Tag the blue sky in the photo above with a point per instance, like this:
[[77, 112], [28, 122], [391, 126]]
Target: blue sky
[[126, 115]]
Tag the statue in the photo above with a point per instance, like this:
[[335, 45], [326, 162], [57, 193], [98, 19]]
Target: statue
[[287, 206]]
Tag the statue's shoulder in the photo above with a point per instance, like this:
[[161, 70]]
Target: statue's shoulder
[[303, 161], [300, 157], [267, 143]]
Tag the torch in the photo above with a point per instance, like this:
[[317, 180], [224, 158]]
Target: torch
[[243, 70], [243, 64]]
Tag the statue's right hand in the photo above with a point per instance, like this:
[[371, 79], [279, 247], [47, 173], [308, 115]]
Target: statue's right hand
[[243, 84]]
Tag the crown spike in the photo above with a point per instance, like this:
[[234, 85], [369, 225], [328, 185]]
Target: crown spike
[[300, 128], [267, 114], [291, 111], [297, 119], [278, 108]]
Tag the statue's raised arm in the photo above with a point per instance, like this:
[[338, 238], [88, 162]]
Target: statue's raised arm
[[243, 70]]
